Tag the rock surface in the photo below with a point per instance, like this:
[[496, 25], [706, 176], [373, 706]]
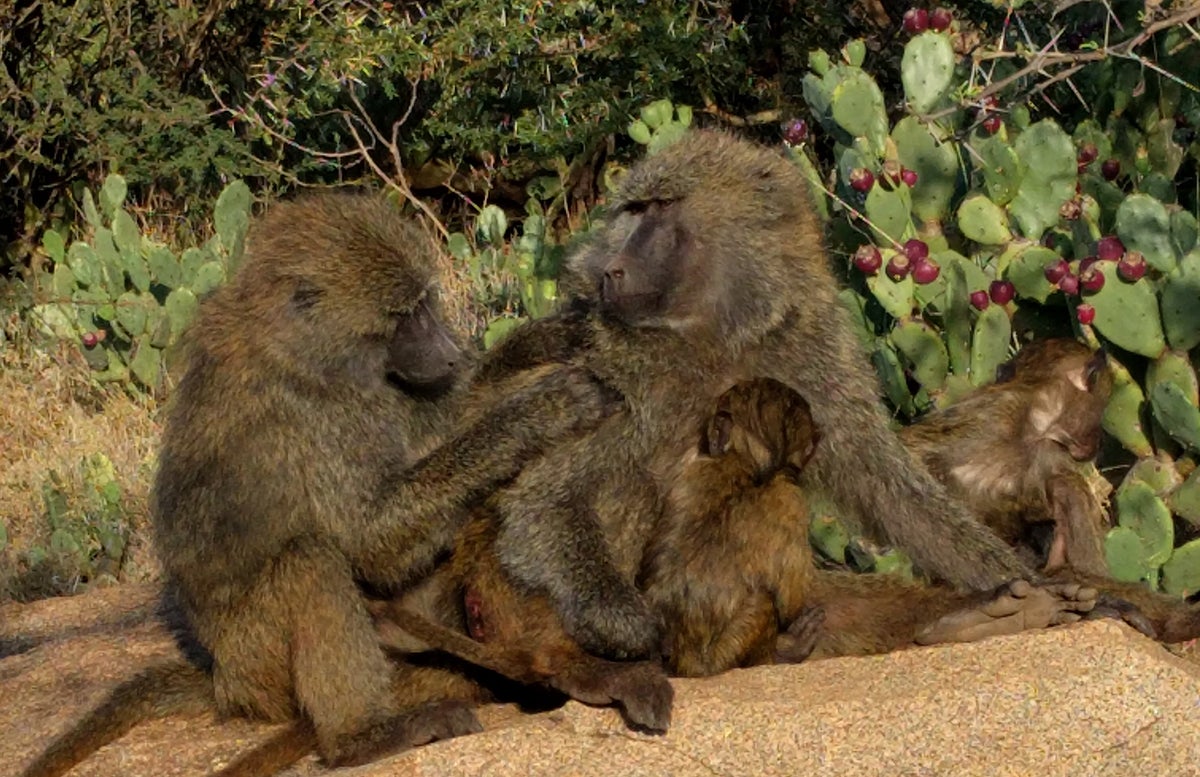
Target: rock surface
[[1091, 699]]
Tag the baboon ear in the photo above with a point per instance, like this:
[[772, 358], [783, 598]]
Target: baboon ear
[[800, 458], [1094, 367], [719, 432]]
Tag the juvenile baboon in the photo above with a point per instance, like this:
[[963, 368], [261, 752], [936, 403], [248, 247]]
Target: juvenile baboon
[[710, 271], [1011, 450], [321, 438], [731, 573]]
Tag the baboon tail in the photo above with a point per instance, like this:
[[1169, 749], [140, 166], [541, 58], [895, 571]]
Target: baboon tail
[[276, 754], [173, 687], [1171, 618]]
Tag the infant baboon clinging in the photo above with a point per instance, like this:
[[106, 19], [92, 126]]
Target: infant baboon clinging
[[321, 439], [710, 271], [1012, 449]]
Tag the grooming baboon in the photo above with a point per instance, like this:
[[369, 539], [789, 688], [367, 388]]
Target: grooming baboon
[[1011, 450], [321, 439], [730, 573], [709, 271]]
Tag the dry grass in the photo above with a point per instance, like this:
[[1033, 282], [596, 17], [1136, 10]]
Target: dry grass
[[51, 418]]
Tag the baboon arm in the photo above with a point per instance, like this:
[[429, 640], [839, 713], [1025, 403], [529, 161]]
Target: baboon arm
[[557, 337], [1077, 530], [427, 504]]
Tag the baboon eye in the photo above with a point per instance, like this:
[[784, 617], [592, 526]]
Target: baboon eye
[[305, 296]]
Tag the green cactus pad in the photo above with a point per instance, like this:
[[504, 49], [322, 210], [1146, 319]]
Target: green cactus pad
[[1181, 572], [818, 61], [127, 235], [1164, 154], [1176, 413], [498, 329], [231, 218], [1143, 225], [658, 113], [854, 52], [889, 211], [936, 166], [1048, 178], [956, 312], [858, 108], [1125, 556], [54, 244], [828, 536], [63, 281], [896, 297], [1026, 269], [1090, 131], [855, 305], [1140, 509], [131, 313], [891, 375], [1184, 233], [89, 210], [983, 221], [1160, 475], [813, 176], [1122, 415], [927, 70], [893, 562], [164, 268], [1180, 313], [1127, 313], [1175, 367], [491, 224], [112, 194], [1001, 169], [180, 306], [191, 261], [921, 346], [989, 347], [209, 276], [1184, 501], [146, 363]]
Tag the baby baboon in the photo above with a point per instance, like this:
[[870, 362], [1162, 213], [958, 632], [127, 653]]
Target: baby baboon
[[730, 570], [710, 271], [1011, 450], [321, 439]]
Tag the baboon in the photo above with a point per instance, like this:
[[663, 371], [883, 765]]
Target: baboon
[[708, 271], [321, 439], [730, 572], [1011, 450]]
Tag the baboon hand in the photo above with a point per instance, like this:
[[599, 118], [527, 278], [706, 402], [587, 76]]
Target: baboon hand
[[1109, 606], [1015, 607], [798, 642], [641, 689]]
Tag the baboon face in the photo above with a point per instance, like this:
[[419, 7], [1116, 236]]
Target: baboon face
[[765, 422], [640, 282], [423, 355], [1075, 387]]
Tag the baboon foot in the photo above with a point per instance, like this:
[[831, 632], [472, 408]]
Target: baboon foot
[[1109, 606], [417, 726], [797, 643], [641, 690], [1015, 607]]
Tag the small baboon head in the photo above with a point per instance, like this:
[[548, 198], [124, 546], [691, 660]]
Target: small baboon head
[[766, 423], [344, 282], [701, 239], [1069, 387]]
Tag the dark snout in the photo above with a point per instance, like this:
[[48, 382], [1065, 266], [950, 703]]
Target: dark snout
[[423, 353]]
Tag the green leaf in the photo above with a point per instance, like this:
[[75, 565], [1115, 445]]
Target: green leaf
[[927, 70], [1127, 313], [1048, 177], [983, 221], [112, 194], [1181, 572], [1143, 225]]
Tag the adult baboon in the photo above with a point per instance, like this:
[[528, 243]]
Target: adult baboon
[[321, 439], [710, 271]]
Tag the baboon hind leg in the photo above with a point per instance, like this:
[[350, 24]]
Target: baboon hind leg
[[359, 704]]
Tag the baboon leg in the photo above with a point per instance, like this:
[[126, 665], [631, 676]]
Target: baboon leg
[[1077, 536], [1160, 616], [800, 639], [867, 614]]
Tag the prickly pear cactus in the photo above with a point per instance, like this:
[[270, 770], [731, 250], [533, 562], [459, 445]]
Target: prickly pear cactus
[[125, 298], [971, 223]]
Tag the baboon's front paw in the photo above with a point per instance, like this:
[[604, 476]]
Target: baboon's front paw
[[798, 642], [641, 689], [1109, 606]]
